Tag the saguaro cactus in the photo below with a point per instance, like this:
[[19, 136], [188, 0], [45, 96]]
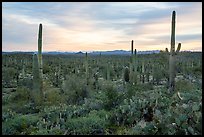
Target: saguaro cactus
[[131, 64], [23, 70], [36, 74], [40, 64], [135, 53], [108, 70], [143, 71], [126, 74], [40, 50], [172, 53], [37, 70], [37, 92], [86, 67], [135, 67]]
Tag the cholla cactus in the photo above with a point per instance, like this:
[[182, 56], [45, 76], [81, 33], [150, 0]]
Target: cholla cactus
[[172, 53]]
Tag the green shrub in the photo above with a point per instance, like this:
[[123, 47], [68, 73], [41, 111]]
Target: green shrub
[[74, 89], [21, 95], [184, 86], [7, 114], [19, 124], [112, 96], [91, 124], [53, 96]]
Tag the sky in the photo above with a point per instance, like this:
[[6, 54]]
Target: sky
[[100, 26]]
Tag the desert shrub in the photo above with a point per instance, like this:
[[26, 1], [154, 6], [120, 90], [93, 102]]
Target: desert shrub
[[91, 124], [74, 89], [197, 71], [6, 99], [7, 114], [25, 82], [184, 86], [130, 111], [144, 87], [18, 101], [41, 132], [8, 75], [21, 94], [53, 97], [171, 116], [112, 96], [19, 124], [93, 103], [57, 116]]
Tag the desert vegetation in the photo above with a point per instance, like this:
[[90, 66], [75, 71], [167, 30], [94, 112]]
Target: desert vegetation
[[138, 94]]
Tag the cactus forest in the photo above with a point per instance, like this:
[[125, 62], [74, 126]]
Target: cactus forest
[[85, 94]]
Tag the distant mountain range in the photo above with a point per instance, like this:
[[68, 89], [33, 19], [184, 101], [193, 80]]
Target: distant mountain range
[[114, 52], [123, 52]]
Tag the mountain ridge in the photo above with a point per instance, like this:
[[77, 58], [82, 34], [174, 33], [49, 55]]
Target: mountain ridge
[[113, 52]]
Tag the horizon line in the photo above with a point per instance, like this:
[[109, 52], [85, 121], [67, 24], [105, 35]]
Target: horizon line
[[104, 51]]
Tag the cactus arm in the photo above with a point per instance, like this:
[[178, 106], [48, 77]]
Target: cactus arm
[[167, 50], [178, 48]]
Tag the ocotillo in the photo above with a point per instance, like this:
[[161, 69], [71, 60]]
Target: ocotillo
[[172, 53]]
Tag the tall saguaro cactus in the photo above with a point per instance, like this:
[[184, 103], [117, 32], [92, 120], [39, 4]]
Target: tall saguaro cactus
[[37, 71], [131, 63], [36, 74], [40, 50], [108, 70], [172, 53], [86, 67], [135, 67], [37, 92]]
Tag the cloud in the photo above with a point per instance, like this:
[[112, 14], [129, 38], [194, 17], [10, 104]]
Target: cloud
[[70, 26]]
